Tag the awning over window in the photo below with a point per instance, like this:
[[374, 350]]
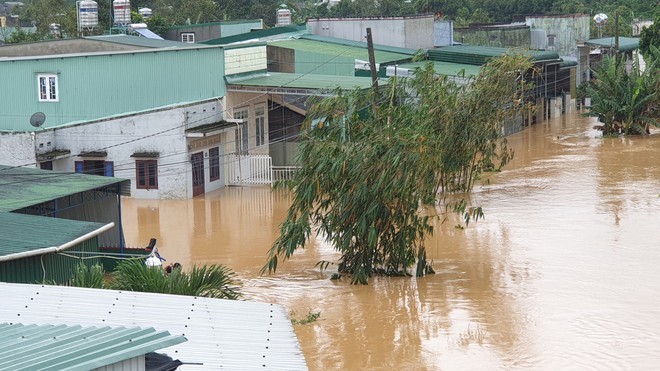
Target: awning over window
[[53, 155], [146, 154], [209, 129], [93, 154]]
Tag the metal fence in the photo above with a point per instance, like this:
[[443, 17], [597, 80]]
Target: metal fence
[[249, 169]]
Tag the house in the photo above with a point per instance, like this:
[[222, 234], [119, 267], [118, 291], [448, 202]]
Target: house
[[41, 347], [194, 33], [221, 334], [113, 113]]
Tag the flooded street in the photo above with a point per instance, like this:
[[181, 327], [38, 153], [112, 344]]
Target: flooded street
[[563, 272]]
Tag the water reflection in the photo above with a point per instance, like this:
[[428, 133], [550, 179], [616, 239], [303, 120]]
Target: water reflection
[[560, 275]]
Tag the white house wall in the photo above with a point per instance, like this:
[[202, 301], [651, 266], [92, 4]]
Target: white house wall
[[17, 149], [403, 32], [161, 131]]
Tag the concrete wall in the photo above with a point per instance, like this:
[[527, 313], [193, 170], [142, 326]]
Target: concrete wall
[[245, 59], [404, 32], [202, 33], [17, 149], [68, 46], [501, 37], [567, 31]]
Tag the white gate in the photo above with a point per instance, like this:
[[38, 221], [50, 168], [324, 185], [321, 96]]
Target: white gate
[[249, 169]]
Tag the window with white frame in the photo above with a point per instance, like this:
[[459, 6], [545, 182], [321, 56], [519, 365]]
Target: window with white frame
[[48, 90], [260, 123], [241, 134], [188, 37]]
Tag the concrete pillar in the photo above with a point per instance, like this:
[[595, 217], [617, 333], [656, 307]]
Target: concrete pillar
[[555, 107], [540, 109]]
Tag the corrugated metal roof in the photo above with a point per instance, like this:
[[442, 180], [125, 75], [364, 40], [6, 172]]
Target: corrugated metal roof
[[227, 334], [625, 43], [479, 55], [257, 35], [445, 68], [23, 233], [75, 348], [142, 41], [301, 81], [22, 187], [353, 50]]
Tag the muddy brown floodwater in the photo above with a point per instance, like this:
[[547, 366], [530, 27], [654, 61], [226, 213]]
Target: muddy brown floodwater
[[563, 273]]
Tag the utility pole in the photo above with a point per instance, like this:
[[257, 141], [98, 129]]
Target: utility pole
[[372, 61]]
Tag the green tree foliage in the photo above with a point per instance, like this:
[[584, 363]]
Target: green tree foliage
[[215, 281], [626, 102], [21, 36], [650, 36], [373, 160]]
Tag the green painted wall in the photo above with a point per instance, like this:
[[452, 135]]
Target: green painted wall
[[319, 64], [237, 28], [94, 86], [58, 268]]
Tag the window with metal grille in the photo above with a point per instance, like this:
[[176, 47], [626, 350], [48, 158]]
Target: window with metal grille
[[48, 89], [188, 37], [214, 163], [146, 174], [260, 123], [241, 134]]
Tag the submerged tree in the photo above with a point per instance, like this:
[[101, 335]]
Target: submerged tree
[[371, 162], [624, 98]]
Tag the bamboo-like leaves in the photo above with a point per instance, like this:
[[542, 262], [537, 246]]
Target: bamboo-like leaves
[[365, 178]]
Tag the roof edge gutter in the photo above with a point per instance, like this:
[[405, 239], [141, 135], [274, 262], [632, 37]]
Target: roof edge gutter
[[56, 249]]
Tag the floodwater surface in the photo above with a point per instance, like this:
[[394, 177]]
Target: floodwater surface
[[563, 272]]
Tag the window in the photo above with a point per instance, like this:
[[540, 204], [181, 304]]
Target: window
[[241, 135], [146, 174], [188, 37], [551, 41], [48, 165], [260, 123], [95, 167], [214, 163], [48, 91]]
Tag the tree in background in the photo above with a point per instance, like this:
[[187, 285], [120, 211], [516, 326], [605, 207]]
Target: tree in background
[[650, 36], [374, 165], [626, 102]]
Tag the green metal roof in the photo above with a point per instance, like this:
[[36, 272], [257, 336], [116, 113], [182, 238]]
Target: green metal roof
[[22, 233], [446, 68], [258, 34], [301, 81], [73, 348], [142, 41], [22, 187], [350, 50], [221, 23], [479, 55], [362, 44], [625, 43]]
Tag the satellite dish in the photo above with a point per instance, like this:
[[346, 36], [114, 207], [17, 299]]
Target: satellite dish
[[37, 119]]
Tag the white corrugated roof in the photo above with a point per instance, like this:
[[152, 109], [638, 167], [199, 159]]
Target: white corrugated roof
[[222, 334]]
